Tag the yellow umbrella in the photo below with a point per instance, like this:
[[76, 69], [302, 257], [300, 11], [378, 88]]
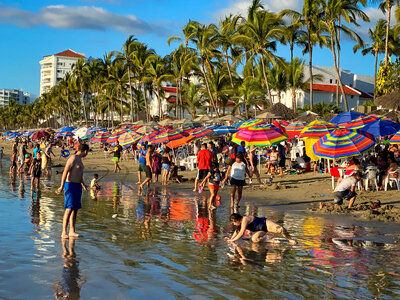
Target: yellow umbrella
[[309, 142]]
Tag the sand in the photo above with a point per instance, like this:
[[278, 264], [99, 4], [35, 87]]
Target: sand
[[298, 192]]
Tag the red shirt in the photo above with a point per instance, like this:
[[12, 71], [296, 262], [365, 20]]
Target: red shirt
[[204, 158]]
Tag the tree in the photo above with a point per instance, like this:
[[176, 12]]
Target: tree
[[80, 76], [278, 79], [194, 97], [296, 80]]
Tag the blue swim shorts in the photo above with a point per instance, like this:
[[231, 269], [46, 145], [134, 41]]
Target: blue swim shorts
[[73, 194]]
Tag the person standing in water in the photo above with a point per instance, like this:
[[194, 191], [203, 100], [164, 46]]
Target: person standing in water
[[72, 181], [259, 227], [117, 156], [148, 167]]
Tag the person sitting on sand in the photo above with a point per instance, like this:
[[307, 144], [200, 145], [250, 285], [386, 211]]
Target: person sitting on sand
[[392, 170], [259, 228], [299, 164], [346, 189]]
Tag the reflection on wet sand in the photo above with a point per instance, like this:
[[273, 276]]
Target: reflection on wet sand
[[70, 284]]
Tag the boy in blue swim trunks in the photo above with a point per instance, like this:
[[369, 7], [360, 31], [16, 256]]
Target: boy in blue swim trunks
[[72, 184]]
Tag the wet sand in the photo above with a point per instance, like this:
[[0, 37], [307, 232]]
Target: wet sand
[[300, 192]]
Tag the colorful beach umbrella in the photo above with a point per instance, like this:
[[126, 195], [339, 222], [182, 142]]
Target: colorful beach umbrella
[[342, 143], [317, 129], [100, 137], [346, 117], [180, 142], [395, 138], [128, 138], [225, 130], [67, 129], [381, 128], [66, 133], [359, 122], [201, 132], [294, 128], [264, 135], [38, 135], [249, 123], [148, 136], [168, 136]]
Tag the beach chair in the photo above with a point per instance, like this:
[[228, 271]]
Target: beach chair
[[371, 177], [334, 174], [390, 180]]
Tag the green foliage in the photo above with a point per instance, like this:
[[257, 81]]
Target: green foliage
[[388, 78]]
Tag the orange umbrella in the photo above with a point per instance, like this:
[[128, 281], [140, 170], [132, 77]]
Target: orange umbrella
[[180, 142]]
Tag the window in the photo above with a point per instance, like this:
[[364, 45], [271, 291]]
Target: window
[[330, 80], [352, 97]]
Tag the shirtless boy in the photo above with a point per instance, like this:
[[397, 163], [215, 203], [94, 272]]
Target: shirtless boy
[[148, 168], [72, 181]]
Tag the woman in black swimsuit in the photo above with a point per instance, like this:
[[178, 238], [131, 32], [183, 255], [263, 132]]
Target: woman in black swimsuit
[[259, 227]]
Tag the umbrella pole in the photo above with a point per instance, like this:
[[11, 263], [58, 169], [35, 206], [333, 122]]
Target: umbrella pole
[[329, 166]]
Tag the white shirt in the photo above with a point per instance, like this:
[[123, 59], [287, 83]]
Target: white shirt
[[238, 171], [346, 184], [301, 162]]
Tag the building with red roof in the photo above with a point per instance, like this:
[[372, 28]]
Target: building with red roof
[[55, 66]]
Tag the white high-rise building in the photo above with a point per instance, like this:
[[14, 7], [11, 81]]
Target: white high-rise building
[[12, 94], [54, 67]]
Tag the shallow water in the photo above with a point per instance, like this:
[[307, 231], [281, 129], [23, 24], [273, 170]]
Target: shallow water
[[165, 244]]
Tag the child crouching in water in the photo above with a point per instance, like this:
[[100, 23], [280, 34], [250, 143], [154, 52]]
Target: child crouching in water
[[214, 178], [94, 186]]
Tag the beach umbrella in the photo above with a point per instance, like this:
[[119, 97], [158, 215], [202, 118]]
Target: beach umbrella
[[250, 123], [395, 138], [87, 136], [28, 133], [308, 144], [145, 129], [225, 130], [81, 132], [342, 143], [346, 117], [381, 128], [148, 136], [67, 129], [283, 123], [100, 137], [7, 132], [200, 132], [66, 133], [13, 135], [294, 128], [180, 142], [38, 135], [317, 129], [94, 129], [128, 138], [115, 136], [168, 136], [263, 135], [359, 123]]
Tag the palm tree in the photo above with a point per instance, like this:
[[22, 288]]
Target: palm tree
[[261, 33], [250, 93], [331, 10], [296, 78], [377, 45], [65, 87], [194, 97], [220, 87], [293, 34], [278, 79], [79, 73], [117, 81], [128, 50], [206, 39]]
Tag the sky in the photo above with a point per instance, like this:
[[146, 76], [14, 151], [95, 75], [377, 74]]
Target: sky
[[31, 29]]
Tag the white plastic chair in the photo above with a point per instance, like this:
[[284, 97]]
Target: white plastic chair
[[371, 177], [390, 180]]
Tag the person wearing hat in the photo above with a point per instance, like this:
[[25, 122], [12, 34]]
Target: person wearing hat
[[346, 189], [253, 160]]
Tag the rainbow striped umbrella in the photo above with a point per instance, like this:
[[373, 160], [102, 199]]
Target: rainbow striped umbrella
[[263, 135], [168, 136], [250, 123], [128, 138], [100, 137], [148, 136], [115, 136], [294, 128], [201, 132], [317, 129], [381, 117], [342, 143], [283, 123], [396, 138], [359, 122]]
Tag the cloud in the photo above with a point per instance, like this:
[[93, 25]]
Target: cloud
[[77, 17], [239, 7]]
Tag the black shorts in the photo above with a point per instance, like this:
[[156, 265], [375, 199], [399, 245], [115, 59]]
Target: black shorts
[[201, 174], [37, 171], [338, 197], [238, 182], [147, 170], [282, 162]]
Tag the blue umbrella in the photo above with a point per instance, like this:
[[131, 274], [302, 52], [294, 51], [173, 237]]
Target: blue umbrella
[[381, 128], [346, 117], [67, 129], [7, 132], [28, 133], [225, 129]]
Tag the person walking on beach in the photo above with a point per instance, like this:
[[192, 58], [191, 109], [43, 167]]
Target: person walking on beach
[[166, 165], [142, 162], [259, 227], [117, 156], [237, 170], [36, 170], [214, 178], [204, 158], [148, 167], [21, 156], [253, 160], [72, 182]]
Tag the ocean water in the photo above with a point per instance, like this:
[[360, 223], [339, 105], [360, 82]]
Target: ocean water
[[166, 244]]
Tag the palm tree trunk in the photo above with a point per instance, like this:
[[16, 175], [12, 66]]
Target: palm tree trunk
[[389, 8], [160, 112], [228, 67], [208, 88], [177, 97], [338, 62], [145, 103], [294, 99], [310, 71], [130, 92], [83, 105], [291, 51], [376, 67], [266, 79], [346, 105], [279, 96], [180, 100], [121, 118]]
